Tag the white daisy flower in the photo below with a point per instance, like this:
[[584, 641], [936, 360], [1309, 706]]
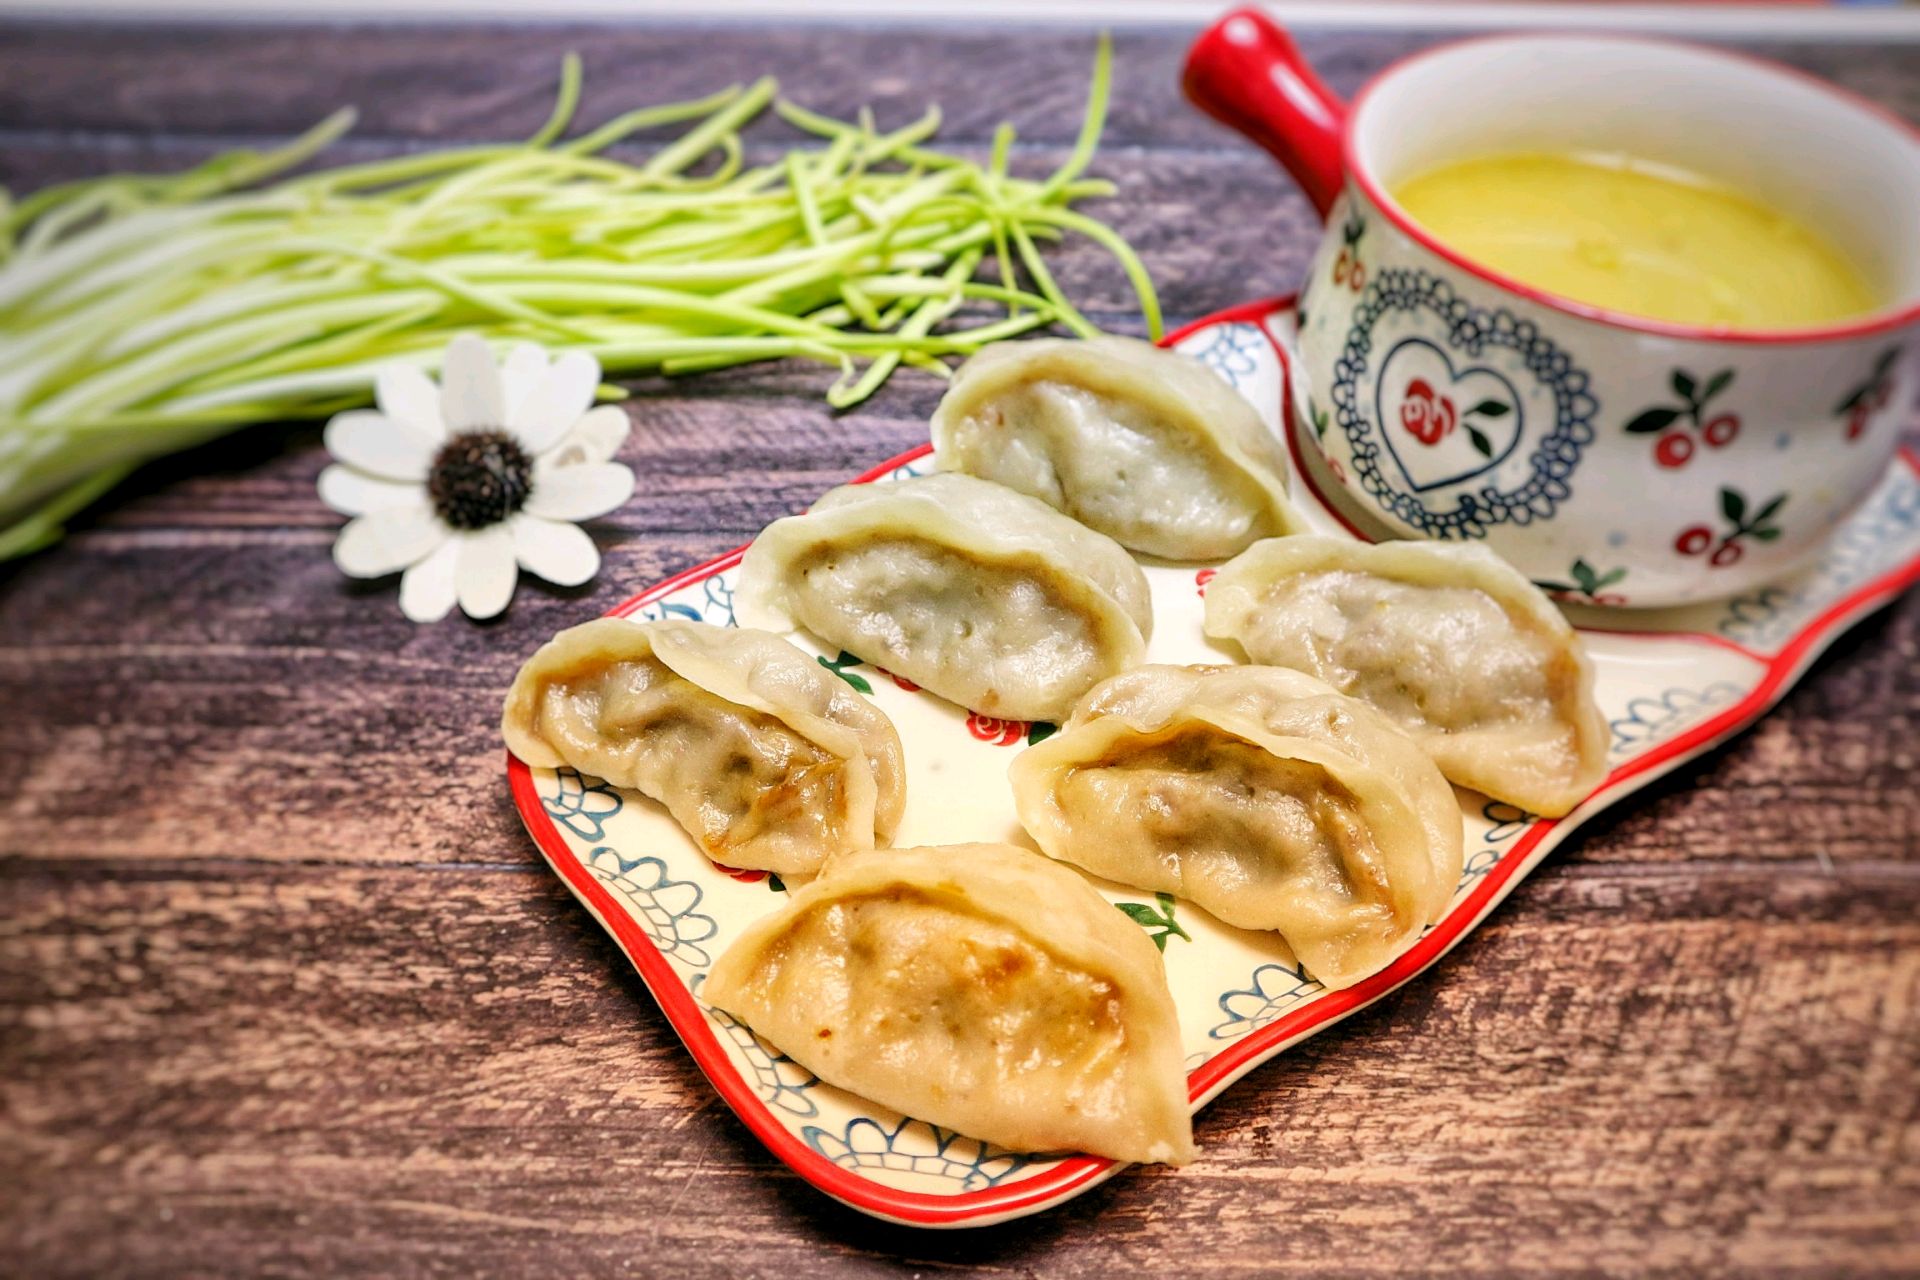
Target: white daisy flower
[[463, 485]]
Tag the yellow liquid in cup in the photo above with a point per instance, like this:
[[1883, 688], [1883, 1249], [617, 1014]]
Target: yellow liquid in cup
[[1638, 238]]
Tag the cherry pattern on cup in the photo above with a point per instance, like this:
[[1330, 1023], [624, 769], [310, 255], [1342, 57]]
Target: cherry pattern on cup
[[1321, 421], [1588, 585], [1200, 581], [1677, 424], [1007, 733], [1741, 524], [1347, 267], [1870, 396]]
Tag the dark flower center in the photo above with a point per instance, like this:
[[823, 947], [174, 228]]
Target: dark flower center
[[479, 478]]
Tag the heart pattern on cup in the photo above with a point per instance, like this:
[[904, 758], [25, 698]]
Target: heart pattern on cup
[[1444, 425]]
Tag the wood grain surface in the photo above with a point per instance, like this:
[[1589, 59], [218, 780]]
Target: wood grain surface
[[284, 987]]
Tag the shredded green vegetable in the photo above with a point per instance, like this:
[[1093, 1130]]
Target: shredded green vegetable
[[145, 314]]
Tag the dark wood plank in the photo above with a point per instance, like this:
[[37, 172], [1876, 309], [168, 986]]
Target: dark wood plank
[[414, 1073], [495, 81], [283, 987]]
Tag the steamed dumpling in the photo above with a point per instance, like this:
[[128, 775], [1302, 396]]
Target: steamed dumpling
[[767, 759], [1448, 640], [1295, 704], [1146, 445], [977, 987], [1270, 803], [987, 597]]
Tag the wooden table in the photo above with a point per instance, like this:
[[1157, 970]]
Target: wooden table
[[285, 988]]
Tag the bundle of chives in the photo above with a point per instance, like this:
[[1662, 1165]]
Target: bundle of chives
[[145, 314]]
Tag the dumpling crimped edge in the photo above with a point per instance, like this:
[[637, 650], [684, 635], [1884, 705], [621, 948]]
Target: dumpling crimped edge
[[1048, 904]]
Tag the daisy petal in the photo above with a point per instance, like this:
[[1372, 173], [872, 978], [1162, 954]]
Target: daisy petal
[[375, 443], [470, 394], [526, 364], [557, 401], [406, 394], [555, 550], [595, 438], [354, 493], [426, 590], [383, 542], [579, 493], [486, 574]]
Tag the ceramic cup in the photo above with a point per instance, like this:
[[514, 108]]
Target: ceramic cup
[[1613, 459]]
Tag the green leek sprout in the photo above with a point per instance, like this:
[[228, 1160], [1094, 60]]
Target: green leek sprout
[[147, 314]]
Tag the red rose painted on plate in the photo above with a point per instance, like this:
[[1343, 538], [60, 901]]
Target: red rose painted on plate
[[1004, 733]]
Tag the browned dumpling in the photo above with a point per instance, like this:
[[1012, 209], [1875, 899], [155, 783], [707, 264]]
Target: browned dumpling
[[979, 987], [764, 757], [1448, 640]]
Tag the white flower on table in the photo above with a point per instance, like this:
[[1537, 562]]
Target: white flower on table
[[463, 485]]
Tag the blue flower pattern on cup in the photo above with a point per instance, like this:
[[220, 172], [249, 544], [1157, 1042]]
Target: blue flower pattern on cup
[[666, 908], [582, 806], [1880, 536], [1649, 719], [912, 1146], [1472, 332], [1271, 991]]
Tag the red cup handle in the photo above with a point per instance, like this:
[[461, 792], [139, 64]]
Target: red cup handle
[[1247, 73]]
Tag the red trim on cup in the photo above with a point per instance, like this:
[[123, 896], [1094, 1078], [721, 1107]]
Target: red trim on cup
[[1349, 150]]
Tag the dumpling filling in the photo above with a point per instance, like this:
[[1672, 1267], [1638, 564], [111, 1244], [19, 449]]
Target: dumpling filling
[[968, 629], [741, 782]]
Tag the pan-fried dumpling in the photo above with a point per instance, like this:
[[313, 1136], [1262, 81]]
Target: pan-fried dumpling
[[1448, 640], [1294, 704], [765, 757], [977, 987], [1146, 445], [1268, 815], [987, 597]]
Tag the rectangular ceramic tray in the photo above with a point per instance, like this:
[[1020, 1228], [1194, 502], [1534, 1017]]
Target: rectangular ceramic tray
[[1672, 687]]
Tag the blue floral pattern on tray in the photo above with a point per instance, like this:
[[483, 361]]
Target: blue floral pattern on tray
[[715, 605], [912, 1146], [1272, 991], [1235, 352], [783, 1082], [1505, 821], [581, 805], [1650, 719], [1880, 536], [666, 908]]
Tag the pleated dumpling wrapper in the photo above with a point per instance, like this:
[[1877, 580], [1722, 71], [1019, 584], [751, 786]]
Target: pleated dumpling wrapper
[[767, 759], [1260, 795], [977, 987], [984, 596], [1146, 445], [1448, 640]]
